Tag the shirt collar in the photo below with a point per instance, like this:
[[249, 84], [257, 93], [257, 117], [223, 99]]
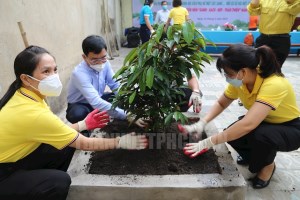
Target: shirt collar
[[30, 94], [258, 82]]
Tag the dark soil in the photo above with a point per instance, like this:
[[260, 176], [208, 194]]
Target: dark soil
[[164, 156]]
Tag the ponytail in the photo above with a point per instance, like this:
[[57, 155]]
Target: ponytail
[[10, 92], [268, 63], [239, 56]]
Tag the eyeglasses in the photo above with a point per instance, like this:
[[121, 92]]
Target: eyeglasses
[[94, 61]]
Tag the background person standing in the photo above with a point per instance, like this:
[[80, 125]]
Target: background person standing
[[163, 14], [276, 20], [178, 14], [146, 21]]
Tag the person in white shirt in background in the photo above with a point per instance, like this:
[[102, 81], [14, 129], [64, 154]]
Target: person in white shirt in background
[[162, 15]]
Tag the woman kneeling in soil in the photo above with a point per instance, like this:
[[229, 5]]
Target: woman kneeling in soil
[[36, 147], [272, 122]]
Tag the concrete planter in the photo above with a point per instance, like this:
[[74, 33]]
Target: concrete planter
[[228, 185]]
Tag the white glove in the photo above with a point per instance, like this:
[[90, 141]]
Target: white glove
[[195, 149], [195, 100], [132, 141], [194, 130], [140, 122], [152, 31]]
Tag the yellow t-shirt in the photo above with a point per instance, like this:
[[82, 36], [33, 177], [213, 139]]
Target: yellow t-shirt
[[276, 17], [178, 14], [274, 91], [27, 122]]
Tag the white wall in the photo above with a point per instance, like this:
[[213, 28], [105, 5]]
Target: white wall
[[57, 25]]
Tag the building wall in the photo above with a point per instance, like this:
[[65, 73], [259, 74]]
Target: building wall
[[59, 26], [126, 6]]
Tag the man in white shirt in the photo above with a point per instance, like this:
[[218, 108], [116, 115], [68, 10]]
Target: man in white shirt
[[162, 15]]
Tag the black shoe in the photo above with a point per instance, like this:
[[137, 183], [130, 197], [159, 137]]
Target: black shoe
[[259, 184], [241, 161]]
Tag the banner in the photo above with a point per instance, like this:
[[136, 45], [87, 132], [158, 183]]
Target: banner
[[206, 14]]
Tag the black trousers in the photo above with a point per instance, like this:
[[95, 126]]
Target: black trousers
[[78, 111], [40, 175], [260, 146], [144, 33], [280, 44]]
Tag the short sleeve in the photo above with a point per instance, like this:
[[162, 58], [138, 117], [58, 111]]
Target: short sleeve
[[231, 92], [49, 129], [147, 11], [272, 94]]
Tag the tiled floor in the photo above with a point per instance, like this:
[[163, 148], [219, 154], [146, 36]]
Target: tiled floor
[[285, 183]]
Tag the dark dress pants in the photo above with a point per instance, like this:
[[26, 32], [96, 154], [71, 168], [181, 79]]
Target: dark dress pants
[[260, 146], [40, 175]]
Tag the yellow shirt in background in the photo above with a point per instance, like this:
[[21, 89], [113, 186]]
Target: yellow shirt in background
[[26, 124], [276, 17], [178, 14], [274, 91]]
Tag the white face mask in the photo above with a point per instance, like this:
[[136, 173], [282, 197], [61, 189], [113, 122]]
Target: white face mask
[[97, 67], [49, 86]]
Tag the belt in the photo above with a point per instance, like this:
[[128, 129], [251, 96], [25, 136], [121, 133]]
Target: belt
[[276, 35]]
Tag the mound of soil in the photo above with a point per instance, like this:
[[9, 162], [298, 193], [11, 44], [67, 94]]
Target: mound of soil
[[163, 157]]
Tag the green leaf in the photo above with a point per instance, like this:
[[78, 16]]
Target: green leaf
[[188, 33], [132, 96], [119, 72], [159, 75], [170, 44], [131, 79], [183, 118], [170, 33], [150, 77], [149, 48], [130, 56], [155, 53], [159, 32], [176, 115], [141, 58], [177, 37], [168, 119]]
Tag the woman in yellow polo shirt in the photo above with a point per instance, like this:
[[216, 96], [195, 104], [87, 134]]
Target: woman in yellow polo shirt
[[36, 147], [178, 13], [272, 122]]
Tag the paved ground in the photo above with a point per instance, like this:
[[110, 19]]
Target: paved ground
[[285, 183]]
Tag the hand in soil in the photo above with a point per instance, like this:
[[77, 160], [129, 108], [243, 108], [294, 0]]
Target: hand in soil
[[139, 122], [93, 120], [195, 149], [133, 142], [195, 130]]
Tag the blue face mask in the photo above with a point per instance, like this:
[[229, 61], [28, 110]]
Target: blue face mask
[[234, 81], [165, 7]]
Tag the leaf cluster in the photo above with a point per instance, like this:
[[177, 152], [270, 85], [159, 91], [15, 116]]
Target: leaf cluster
[[152, 76]]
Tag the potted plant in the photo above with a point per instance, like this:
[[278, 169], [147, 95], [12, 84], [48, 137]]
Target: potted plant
[[150, 71]]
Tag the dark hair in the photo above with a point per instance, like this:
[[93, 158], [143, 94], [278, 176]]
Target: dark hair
[[240, 56], [93, 43], [148, 2], [25, 63], [177, 3], [163, 2]]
